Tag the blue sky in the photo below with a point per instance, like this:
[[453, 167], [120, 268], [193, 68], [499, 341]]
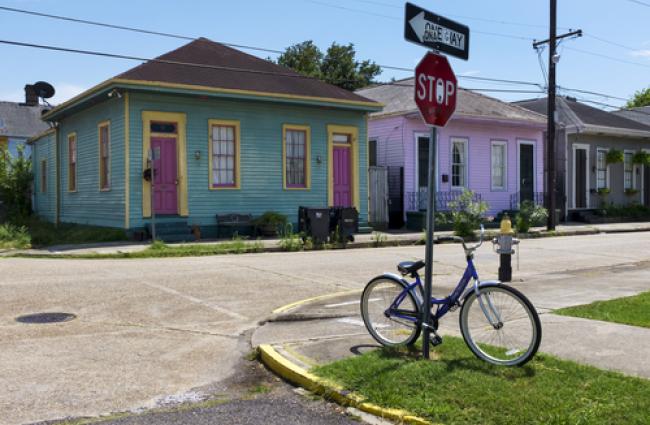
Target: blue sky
[[374, 26]]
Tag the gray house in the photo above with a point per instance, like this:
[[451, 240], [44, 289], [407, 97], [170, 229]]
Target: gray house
[[19, 122], [641, 114], [585, 135]]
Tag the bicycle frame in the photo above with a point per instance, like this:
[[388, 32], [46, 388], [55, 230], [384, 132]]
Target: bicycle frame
[[443, 305]]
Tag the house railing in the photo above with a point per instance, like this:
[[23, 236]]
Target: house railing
[[515, 199], [417, 201]]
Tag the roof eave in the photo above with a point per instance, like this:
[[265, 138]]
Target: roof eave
[[615, 131]]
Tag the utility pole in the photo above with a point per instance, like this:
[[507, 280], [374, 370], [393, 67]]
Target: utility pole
[[551, 188]]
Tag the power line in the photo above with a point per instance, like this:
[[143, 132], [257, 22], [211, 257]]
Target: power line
[[640, 3], [600, 55]]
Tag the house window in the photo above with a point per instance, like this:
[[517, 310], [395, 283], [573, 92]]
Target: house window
[[224, 152], [498, 153], [104, 157], [458, 163], [423, 163], [372, 153], [628, 171], [43, 176], [72, 162], [296, 157], [601, 169]]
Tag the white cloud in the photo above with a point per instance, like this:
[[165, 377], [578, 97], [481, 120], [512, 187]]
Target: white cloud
[[641, 53], [65, 91]]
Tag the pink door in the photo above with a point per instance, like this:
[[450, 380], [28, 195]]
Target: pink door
[[165, 196], [342, 177]]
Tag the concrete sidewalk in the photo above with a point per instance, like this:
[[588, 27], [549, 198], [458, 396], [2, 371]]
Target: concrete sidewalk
[[331, 328], [393, 238]]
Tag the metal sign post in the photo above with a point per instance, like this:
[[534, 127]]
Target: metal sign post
[[435, 94]]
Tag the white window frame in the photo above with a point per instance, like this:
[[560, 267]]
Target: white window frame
[[575, 147], [607, 170], [465, 142], [633, 169], [503, 188]]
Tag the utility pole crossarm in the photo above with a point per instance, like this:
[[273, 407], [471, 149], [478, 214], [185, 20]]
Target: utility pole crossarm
[[576, 33]]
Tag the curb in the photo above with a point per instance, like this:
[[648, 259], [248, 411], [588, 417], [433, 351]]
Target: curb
[[297, 375]]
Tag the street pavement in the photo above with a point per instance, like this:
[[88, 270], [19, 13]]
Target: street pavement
[[155, 332]]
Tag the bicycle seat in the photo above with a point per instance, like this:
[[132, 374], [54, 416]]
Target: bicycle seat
[[410, 267]]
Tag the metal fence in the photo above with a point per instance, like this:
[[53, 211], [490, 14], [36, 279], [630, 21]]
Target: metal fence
[[417, 201], [516, 199]]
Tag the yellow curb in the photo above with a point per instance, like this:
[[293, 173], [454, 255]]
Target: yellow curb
[[287, 307], [300, 376]]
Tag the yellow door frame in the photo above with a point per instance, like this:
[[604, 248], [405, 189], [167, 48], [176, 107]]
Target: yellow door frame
[[181, 156], [353, 132]]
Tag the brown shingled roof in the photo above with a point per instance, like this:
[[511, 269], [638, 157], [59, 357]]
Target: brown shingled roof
[[244, 72]]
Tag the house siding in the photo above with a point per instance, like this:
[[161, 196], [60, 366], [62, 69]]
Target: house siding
[[261, 186], [401, 149], [44, 203], [616, 175], [88, 204]]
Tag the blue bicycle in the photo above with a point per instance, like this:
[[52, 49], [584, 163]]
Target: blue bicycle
[[498, 323]]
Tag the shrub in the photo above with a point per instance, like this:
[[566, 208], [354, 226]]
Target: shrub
[[271, 223], [530, 214], [12, 236], [467, 214]]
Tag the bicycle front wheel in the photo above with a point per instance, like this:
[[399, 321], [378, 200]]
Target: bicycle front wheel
[[500, 326], [390, 327]]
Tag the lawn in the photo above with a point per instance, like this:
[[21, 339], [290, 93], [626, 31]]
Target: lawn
[[633, 311], [457, 388]]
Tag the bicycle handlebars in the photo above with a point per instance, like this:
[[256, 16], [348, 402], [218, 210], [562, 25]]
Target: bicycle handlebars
[[462, 241]]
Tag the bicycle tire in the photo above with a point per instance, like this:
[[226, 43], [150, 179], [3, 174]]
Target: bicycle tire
[[376, 298], [514, 340]]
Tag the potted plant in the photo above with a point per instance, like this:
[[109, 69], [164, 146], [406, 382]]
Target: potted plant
[[641, 158], [614, 156], [269, 223], [631, 192], [603, 191]]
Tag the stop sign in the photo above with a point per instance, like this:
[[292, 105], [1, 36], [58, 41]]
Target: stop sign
[[435, 89]]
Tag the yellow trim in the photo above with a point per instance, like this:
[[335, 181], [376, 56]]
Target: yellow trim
[[307, 130], [76, 162], [181, 148], [229, 123], [209, 89], [353, 131], [41, 135], [127, 163], [106, 123]]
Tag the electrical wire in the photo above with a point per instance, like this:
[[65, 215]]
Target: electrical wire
[[640, 3], [600, 55]]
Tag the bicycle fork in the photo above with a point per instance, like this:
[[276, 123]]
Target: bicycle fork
[[490, 312]]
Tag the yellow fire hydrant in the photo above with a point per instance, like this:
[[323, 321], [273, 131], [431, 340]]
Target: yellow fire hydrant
[[503, 245]]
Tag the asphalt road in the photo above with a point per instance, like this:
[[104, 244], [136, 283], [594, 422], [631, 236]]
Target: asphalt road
[[149, 333]]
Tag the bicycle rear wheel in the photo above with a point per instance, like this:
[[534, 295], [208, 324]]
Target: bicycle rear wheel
[[384, 326], [512, 333]]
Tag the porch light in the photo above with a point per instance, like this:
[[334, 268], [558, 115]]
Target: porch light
[[318, 159], [197, 155]]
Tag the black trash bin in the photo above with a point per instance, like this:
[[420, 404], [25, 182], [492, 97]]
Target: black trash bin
[[346, 219], [315, 222]]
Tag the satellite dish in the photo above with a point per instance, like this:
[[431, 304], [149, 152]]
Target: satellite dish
[[44, 90]]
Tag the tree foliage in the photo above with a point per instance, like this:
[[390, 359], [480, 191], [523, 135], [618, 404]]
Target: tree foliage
[[640, 98], [16, 182], [338, 66]]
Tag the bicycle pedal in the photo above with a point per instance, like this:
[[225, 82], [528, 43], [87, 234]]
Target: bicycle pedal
[[435, 340]]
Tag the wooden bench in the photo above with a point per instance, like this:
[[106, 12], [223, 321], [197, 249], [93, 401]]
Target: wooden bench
[[235, 223]]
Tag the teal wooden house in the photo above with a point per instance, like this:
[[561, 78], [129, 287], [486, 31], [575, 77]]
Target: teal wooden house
[[229, 133]]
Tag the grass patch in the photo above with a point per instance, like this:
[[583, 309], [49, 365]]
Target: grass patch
[[42, 233], [458, 388], [633, 311], [160, 250]]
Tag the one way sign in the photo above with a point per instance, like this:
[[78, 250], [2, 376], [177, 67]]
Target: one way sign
[[436, 32]]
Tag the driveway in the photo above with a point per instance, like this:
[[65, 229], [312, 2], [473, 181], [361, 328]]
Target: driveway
[[151, 332]]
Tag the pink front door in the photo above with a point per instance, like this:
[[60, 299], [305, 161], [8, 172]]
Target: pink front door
[[342, 171], [165, 195]]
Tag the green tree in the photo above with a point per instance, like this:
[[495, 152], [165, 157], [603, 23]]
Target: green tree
[[16, 182], [640, 98], [338, 66]]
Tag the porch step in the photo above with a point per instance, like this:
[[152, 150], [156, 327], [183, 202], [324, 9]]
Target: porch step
[[172, 231], [365, 229]]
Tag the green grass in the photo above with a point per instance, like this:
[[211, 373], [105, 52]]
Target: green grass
[[457, 388], [14, 237], [42, 233], [160, 250], [633, 311]]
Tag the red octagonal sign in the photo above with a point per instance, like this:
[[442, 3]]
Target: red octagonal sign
[[435, 89]]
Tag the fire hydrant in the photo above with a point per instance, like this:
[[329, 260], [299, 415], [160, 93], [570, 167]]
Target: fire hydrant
[[503, 245]]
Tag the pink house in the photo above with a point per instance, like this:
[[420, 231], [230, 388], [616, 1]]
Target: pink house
[[491, 147]]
